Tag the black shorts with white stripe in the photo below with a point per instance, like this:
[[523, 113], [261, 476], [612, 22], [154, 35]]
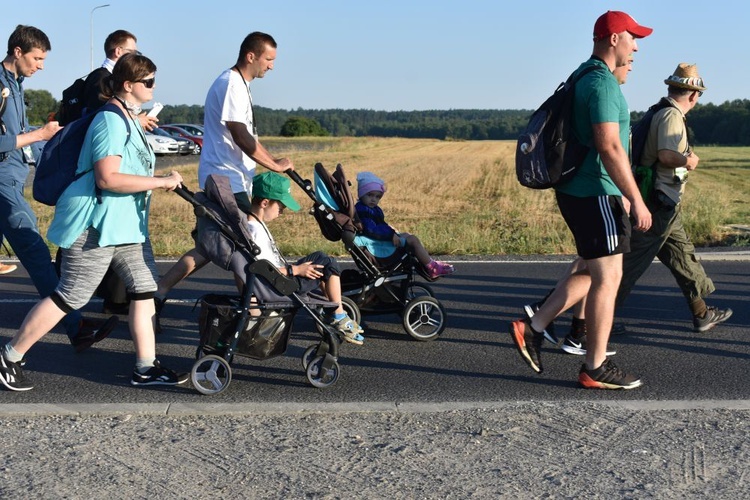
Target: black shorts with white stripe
[[599, 224]]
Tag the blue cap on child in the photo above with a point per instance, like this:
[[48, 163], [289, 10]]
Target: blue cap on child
[[367, 181]]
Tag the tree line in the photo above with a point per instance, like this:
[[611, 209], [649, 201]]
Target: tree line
[[727, 124]]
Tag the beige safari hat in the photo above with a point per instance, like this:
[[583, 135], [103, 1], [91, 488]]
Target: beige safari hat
[[686, 77]]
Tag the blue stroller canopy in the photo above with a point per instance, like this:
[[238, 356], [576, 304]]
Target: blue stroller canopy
[[322, 195]]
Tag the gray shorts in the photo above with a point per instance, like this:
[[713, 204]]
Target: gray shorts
[[85, 263]]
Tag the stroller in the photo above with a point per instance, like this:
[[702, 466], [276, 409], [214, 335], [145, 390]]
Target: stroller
[[256, 325], [372, 287]]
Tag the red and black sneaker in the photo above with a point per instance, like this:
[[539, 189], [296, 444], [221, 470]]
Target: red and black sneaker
[[607, 376], [528, 342]]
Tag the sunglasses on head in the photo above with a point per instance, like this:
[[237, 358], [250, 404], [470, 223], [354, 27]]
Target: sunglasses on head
[[148, 82]]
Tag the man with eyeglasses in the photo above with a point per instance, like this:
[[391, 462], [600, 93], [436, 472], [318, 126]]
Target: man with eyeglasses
[[668, 152]]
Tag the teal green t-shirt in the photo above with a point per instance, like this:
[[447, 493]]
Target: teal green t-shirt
[[598, 99], [119, 218]]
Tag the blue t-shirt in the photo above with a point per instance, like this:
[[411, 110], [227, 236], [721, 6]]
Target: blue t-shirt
[[598, 99], [120, 218]]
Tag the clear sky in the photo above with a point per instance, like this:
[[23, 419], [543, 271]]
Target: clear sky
[[393, 55]]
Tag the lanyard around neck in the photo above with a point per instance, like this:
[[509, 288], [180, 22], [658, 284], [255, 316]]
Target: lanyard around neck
[[250, 98], [136, 126]]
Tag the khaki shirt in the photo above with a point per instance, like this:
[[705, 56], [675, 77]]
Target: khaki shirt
[[668, 131]]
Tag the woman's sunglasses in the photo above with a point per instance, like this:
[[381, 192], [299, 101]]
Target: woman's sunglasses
[[148, 82]]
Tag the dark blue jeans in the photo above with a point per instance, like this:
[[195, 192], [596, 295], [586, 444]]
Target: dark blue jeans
[[18, 225]]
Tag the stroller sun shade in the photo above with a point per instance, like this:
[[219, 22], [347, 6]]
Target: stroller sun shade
[[322, 195], [339, 215]]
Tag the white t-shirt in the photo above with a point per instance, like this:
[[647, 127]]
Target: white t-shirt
[[262, 237], [228, 100]]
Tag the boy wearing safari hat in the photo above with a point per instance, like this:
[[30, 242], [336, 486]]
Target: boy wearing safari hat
[[668, 152], [271, 195]]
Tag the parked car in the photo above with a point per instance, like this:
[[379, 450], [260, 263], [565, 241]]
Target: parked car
[[181, 131], [162, 145], [190, 128], [186, 146]]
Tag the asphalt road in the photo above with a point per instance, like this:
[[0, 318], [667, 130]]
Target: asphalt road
[[473, 361]]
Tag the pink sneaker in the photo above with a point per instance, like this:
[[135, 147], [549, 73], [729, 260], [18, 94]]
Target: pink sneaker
[[437, 268]]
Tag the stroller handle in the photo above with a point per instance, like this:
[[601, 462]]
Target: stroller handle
[[186, 194], [305, 184]]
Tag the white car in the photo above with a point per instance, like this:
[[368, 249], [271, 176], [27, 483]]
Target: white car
[[162, 145]]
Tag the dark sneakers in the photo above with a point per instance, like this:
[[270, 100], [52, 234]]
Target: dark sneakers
[[528, 342], [607, 376], [713, 317], [549, 330], [12, 377], [158, 375], [89, 333]]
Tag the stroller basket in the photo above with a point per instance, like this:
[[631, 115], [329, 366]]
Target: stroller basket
[[266, 336]]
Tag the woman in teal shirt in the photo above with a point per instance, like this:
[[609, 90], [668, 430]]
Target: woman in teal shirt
[[102, 219]]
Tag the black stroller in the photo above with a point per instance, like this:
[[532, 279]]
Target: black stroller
[[256, 325], [374, 289]]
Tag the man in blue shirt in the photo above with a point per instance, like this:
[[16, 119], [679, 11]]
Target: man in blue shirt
[[27, 50]]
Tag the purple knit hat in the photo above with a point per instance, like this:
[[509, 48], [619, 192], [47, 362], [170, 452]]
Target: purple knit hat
[[367, 181]]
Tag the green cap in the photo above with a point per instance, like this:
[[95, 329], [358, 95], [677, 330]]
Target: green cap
[[275, 187]]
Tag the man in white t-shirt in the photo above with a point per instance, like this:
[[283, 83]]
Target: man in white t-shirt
[[230, 142]]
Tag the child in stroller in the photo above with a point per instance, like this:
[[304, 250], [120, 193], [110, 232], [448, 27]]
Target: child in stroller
[[271, 194], [380, 238], [372, 288], [258, 323]]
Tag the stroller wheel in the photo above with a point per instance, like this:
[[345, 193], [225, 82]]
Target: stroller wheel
[[414, 290], [211, 374], [321, 377], [308, 356], [424, 318]]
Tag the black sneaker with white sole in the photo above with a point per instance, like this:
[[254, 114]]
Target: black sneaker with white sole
[[12, 377], [577, 345], [549, 330], [158, 375]]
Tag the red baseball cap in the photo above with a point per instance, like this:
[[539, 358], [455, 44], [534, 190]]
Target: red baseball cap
[[614, 21]]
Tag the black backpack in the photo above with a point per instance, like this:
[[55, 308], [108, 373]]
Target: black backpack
[[74, 97], [639, 131], [56, 168], [547, 153], [644, 174]]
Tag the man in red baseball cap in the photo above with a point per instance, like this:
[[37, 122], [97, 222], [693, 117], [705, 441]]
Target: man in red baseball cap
[[614, 21], [593, 204]]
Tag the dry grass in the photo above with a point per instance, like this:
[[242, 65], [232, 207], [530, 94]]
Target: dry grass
[[458, 197]]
